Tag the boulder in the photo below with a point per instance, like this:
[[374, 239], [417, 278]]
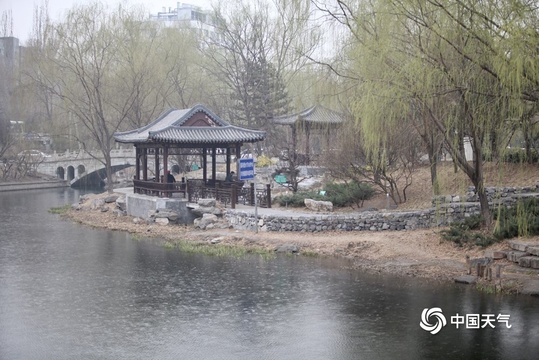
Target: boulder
[[287, 248], [162, 221], [316, 205], [206, 202], [166, 214], [205, 221], [111, 198], [97, 204], [121, 203]]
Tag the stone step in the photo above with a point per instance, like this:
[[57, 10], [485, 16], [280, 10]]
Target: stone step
[[515, 255], [518, 245], [529, 262], [534, 250]]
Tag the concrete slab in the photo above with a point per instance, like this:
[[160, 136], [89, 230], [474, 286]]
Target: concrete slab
[[143, 205], [529, 262]]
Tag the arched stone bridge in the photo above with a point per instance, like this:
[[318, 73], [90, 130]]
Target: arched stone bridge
[[81, 168]]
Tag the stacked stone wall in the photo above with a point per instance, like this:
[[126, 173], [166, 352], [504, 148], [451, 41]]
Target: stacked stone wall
[[451, 209]]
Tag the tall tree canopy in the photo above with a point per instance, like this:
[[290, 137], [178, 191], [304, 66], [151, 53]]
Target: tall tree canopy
[[462, 69]]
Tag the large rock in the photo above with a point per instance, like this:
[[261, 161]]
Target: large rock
[[207, 206], [111, 198], [121, 203], [206, 202], [287, 248], [205, 221], [316, 205], [97, 204]]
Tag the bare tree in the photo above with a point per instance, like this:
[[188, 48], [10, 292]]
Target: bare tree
[[99, 65]]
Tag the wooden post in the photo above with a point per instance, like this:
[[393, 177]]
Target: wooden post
[[137, 165], [227, 160], [268, 194], [253, 194], [214, 164], [157, 179], [238, 157], [165, 164], [204, 165], [145, 164], [233, 196]]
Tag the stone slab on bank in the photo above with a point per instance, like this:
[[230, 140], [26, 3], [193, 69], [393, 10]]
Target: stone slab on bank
[[143, 206], [33, 185]]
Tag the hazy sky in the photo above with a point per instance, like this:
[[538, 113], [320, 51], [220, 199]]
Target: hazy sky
[[22, 10]]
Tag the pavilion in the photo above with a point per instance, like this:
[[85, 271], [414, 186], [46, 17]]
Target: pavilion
[[317, 124], [196, 130]]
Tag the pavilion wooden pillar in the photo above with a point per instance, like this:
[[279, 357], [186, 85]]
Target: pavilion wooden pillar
[[165, 164], [214, 163], [137, 166], [238, 157], [157, 178], [308, 143], [145, 164], [227, 160], [204, 164]]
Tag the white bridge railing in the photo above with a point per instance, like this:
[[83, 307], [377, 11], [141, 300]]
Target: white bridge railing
[[82, 154]]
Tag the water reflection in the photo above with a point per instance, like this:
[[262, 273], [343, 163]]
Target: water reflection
[[68, 291]]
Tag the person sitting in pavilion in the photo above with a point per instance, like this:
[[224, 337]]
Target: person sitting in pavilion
[[170, 178], [230, 177]]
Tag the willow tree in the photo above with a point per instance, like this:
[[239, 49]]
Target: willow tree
[[449, 62]]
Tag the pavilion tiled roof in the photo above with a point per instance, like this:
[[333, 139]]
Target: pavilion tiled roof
[[171, 127], [316, 114]]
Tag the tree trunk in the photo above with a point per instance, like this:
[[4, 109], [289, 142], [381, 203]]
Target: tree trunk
[[108, 168]]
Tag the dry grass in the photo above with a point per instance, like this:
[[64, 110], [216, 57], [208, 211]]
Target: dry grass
[[419, 194]]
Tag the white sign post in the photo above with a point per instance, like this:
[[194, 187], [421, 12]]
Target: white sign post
[[247, 172]]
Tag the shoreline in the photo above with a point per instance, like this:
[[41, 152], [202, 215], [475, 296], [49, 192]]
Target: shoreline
[[33, 185], [412, 253]]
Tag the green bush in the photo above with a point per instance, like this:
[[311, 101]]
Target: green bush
[[297, 199], [519, 220], [348, 194], [467, 233], [518, 156], [340, 195]]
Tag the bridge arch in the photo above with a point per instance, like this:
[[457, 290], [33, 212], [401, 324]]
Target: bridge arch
[[95, 178], [70, 173], [60, 172]]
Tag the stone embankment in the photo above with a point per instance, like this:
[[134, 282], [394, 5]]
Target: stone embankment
[[446, 210], [33, 185]]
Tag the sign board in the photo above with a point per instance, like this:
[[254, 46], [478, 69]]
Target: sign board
[[247, 169]]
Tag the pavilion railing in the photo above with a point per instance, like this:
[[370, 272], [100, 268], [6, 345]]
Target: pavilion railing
[[160, 189], [228, 193]]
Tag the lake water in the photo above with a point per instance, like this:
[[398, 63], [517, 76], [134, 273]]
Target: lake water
[[72, 292]]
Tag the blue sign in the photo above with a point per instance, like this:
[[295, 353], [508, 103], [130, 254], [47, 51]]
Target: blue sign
[[247, 169]]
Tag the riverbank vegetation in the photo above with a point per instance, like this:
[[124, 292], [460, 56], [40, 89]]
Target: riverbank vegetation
[[215, 249]]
